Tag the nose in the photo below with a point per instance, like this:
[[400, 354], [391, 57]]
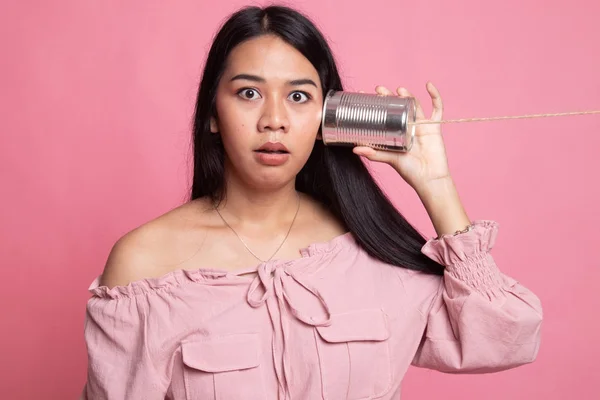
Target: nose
[[274, 116]]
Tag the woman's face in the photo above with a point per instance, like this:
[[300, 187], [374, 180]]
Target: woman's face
[[268, 102]]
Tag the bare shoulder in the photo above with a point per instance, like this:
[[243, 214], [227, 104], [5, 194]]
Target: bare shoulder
[[150, 250]]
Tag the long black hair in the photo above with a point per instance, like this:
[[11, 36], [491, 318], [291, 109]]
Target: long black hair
[[334, 176]]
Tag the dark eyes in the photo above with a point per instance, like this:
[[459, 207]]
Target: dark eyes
[[249, 94], [298, 97]]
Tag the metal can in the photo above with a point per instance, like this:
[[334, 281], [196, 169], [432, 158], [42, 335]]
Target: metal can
[[360, 119]]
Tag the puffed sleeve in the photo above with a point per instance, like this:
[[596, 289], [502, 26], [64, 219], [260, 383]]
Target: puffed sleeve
[[120, 365], [480, 319]]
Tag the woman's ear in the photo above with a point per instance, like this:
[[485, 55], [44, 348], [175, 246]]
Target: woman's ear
[[214, 127]]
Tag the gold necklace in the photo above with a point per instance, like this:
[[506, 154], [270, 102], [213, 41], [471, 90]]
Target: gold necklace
[[246, 246]]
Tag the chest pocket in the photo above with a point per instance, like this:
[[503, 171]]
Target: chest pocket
[[354, 355], [223, 368]]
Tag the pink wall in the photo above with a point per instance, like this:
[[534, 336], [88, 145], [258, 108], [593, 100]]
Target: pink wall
[[96, 103]]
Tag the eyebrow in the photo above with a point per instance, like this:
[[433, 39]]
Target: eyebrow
[[254, 78]]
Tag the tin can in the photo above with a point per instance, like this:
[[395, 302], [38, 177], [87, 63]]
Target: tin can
[[360, 119]]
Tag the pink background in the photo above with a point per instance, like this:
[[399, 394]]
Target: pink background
[[96, 106]]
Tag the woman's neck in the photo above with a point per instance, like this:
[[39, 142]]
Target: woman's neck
[[249, 206]]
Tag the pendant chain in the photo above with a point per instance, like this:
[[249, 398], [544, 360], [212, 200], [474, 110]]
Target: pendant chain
[[246, 246]]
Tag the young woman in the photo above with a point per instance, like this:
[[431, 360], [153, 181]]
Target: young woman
[[289, 275]]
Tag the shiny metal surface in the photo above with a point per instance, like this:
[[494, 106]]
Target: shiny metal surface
[[360, 119]]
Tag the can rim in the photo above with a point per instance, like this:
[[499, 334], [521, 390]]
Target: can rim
[[413, 128], [328, 96]]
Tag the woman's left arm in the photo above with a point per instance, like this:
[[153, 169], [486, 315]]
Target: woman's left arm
[[480, 320], [425, 167]]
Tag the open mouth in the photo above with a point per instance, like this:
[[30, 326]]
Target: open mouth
[[272, 151], [272, 148]]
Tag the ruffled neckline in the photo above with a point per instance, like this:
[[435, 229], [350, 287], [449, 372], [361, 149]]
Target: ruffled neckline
[[180, 276]]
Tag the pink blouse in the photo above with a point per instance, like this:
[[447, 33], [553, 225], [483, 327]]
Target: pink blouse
[[334, 324]]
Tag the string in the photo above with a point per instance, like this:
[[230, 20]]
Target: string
[[453, 121]]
